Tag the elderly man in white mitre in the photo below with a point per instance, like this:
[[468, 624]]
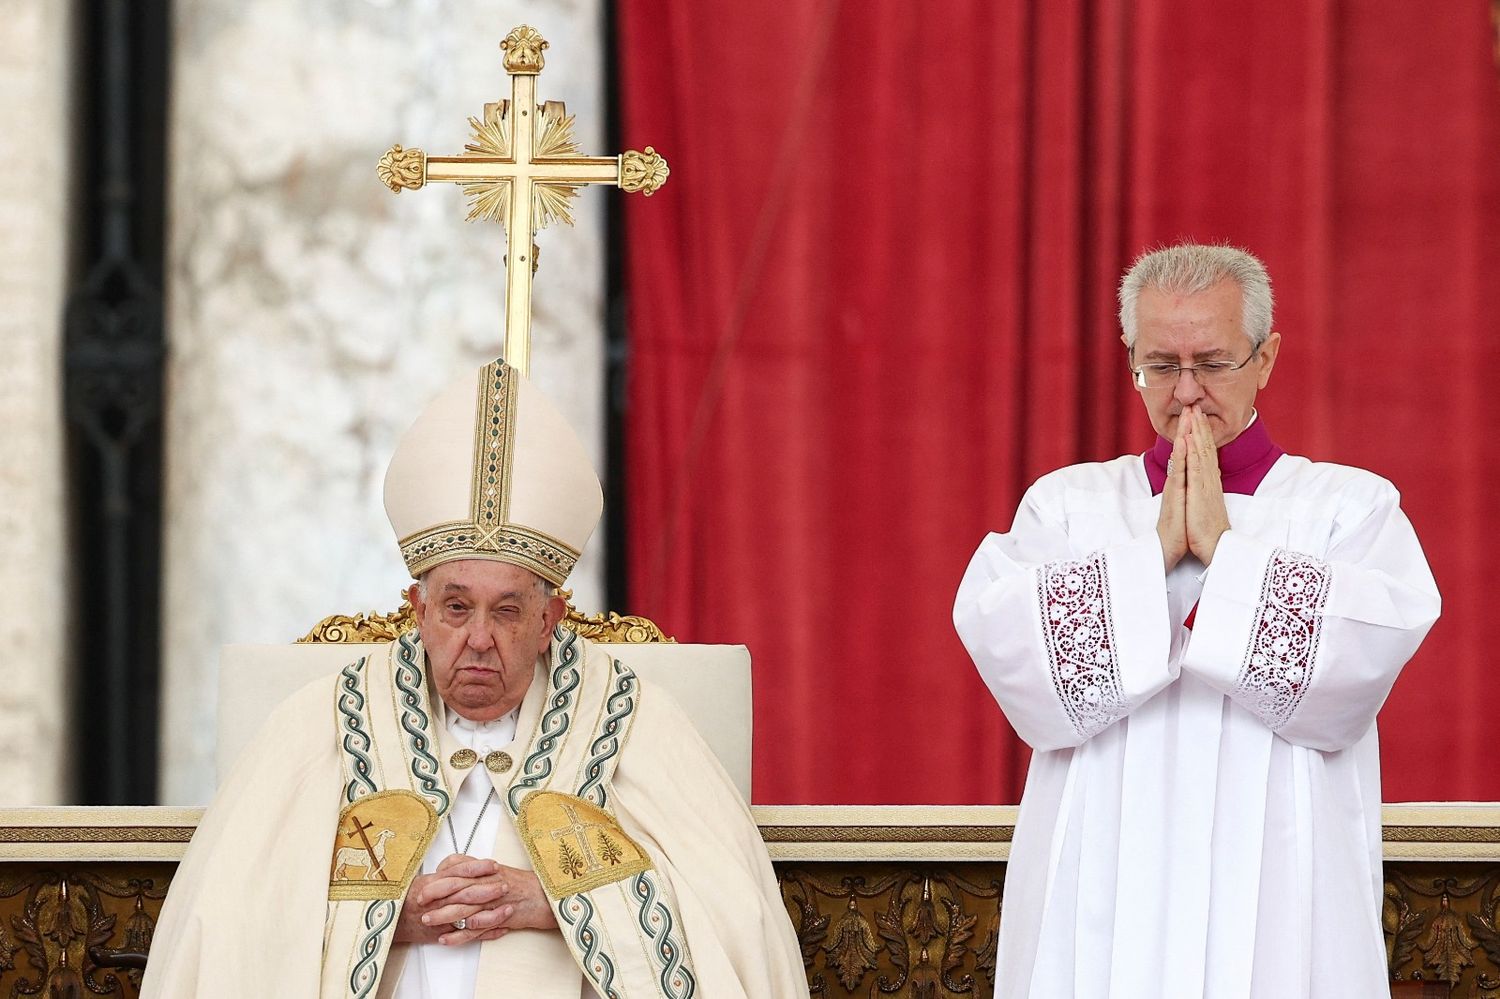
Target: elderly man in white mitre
[[1195, 641], [492, 806]]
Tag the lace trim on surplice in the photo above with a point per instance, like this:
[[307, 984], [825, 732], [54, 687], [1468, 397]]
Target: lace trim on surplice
[[1079, 635], [1283, 647]]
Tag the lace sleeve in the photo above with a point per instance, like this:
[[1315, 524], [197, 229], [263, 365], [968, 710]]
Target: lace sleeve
[[1310, 641], [1067, 645], [1079, 638], [1283, 646]]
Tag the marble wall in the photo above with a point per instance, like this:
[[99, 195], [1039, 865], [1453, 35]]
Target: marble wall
[[34, 43], [311, 313]]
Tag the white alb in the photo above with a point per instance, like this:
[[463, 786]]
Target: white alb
[[1202, 812]]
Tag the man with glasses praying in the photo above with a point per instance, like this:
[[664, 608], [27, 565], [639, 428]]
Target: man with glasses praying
[[1195, 642]]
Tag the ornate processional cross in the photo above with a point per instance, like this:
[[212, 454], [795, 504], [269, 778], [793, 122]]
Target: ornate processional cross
[[522, 170]]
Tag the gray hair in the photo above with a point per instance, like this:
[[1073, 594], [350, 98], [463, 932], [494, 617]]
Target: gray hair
[[545, 588], [1192, 268]]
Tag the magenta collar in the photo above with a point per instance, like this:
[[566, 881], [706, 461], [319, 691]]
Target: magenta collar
[[1243, 462]]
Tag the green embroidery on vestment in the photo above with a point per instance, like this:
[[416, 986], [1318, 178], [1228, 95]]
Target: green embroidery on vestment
[[378, 919], [351, 704], [562, 685], [577, 912], [416, 723], [618, 709], [677, 980]]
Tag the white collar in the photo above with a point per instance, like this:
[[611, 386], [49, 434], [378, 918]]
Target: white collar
[[468, 732]]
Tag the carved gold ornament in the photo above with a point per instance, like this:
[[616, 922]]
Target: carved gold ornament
[[523, 49], [347, 629], [402, 169], [625, 629], [643, 171], [344, 629], [522, 169]]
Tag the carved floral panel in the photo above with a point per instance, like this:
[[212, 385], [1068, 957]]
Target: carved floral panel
[[59, 921], [917, 931], [910, 931], [929, 931], [1442, 924]]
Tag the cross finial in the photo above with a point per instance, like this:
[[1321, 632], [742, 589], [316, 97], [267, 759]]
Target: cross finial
[[523, 50], [522, 168]]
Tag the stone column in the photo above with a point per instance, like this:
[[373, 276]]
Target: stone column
[[311, 313], [35, 39]]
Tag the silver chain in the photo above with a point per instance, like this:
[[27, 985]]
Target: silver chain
[[470, 841]]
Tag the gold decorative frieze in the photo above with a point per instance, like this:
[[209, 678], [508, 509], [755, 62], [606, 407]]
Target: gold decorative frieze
[[96, 835], [887, 834], [894, 833]]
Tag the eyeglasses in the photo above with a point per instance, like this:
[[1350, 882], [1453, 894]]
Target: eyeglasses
[[1165, 374]]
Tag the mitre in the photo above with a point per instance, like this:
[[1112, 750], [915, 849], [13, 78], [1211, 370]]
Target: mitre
[[491, 470]]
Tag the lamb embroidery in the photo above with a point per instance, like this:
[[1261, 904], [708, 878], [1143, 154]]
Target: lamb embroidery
[[379, 845], [370, 856]]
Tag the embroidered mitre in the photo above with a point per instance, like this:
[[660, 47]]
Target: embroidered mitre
[[491, 470]]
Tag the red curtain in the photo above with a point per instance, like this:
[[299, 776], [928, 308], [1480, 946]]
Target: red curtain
[[875, 301]]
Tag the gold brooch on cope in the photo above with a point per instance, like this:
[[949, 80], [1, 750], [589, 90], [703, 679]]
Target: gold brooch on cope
[[575, 845], [497, 762], [379, 845]]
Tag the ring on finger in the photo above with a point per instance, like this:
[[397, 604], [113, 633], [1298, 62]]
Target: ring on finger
[[461, 924]]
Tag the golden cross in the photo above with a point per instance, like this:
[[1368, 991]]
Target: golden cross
[[579, 829], [522, 170]]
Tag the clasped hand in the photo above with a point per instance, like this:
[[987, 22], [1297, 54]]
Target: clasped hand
[[1193, 514], [491, 898]]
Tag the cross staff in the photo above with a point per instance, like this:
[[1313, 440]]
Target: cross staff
[[522, 169]]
